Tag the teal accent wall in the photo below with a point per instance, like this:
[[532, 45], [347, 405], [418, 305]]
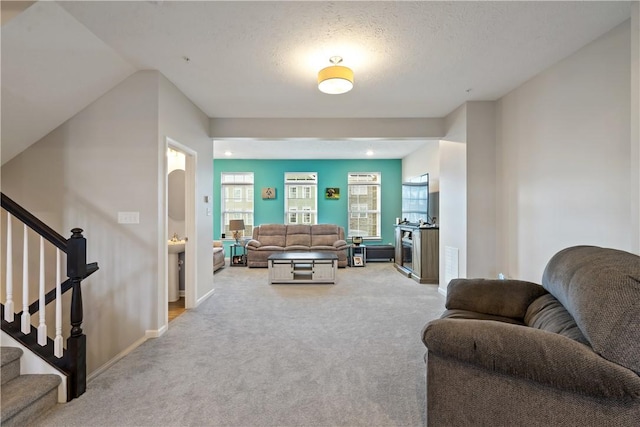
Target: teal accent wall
[[331, 173]]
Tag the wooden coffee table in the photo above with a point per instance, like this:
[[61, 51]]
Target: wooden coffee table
[[302, 267]]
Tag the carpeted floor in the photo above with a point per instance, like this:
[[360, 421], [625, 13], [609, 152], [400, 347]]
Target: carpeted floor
[[255, 354]]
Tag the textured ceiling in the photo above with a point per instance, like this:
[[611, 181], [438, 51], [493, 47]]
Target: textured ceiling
[[260, 59]]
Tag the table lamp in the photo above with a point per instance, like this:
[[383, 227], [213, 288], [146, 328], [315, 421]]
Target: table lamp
[[236, 225]]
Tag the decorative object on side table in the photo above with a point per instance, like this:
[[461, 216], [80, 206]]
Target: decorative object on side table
[[357, 240], [358, 261]]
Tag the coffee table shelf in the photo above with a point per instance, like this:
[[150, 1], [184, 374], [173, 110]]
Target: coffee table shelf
[[302, 267]]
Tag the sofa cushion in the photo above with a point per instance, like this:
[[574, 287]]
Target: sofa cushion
[[298, 235], [272, 235], [600, 288], [325, 234], [548, 314], [297, 248], [269, 248], [507, 298]]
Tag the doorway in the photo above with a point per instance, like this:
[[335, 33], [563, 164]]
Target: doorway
[[179, 232]]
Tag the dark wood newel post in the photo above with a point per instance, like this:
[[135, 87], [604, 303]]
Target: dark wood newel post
[[77, 342]]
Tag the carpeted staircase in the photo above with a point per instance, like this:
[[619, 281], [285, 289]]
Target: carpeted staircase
[[24, 397]]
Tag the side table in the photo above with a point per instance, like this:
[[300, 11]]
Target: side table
[[238, 255], [357, 256]]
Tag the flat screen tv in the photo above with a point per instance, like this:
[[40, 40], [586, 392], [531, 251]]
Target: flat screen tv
[[415, 200]]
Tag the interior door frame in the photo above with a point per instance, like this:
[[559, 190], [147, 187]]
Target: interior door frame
[[191, 284]]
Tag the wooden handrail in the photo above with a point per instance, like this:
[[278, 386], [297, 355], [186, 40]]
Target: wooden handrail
[[34, 223]]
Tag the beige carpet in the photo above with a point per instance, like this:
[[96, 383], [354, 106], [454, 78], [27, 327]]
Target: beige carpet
[[255, 354]]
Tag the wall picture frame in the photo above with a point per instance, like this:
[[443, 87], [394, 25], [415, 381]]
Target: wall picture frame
[[269, 193], [332, 193]]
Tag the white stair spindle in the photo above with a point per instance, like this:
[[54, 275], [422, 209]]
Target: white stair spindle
[[42, 326], [25, 326], [57, 342], [8, 306]]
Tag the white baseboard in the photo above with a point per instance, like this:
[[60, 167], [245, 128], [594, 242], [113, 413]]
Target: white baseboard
[[207, 295], [119, 356], [155, 333], [148, 334], [442, 291]]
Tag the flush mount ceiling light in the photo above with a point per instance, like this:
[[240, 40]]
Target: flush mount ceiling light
[[335, 79]]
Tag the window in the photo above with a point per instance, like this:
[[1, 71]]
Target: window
[[301, 202], [364, 204], [415, 199], [237, 200]]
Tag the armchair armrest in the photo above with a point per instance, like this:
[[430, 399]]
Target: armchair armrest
[[507, 298], [340, 244], [253, 244], [531, 354]]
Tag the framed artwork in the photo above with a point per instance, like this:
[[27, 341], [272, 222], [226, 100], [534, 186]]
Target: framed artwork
[[332, 193], [269, 193], [237, 260], [357, 261]]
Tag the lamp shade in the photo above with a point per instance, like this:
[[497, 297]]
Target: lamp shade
[[236, 224], [335, 79]]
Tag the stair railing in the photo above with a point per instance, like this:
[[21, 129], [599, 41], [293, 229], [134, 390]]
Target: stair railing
[[72, 360]]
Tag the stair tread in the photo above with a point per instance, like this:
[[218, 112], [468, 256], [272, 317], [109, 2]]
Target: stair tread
[[9, 354], [24, 390]]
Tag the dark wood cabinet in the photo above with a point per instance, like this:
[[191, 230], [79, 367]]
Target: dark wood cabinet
[[417, 252]]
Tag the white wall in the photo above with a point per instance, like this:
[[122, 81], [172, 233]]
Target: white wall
[[564, 158], [100, 162], [453, 193], [426, 160], [185, 123], [327, 128], [481, 189], [635, 126], [110, 157]]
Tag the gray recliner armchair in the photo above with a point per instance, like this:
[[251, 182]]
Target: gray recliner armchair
[[514, 353]]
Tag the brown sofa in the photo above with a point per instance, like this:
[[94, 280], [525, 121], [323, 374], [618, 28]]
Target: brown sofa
[[268, 239], [218, 255], [567, 353]]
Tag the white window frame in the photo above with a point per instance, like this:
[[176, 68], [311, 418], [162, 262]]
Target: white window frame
[[234, 180], [356, 185], [301, 186]]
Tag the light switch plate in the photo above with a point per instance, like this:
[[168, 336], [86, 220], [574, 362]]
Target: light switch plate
[[128, 217]]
